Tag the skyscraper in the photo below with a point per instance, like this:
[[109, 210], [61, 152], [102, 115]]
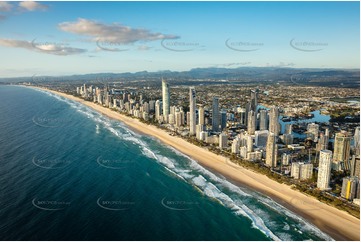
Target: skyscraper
[[356, 141], [201, 115], [349, 187], [158, 109], [341, 153], [223, 119], [192, 110], [288, 129], [254, 100], [215, 114], [324, 169], [242, 116], [263, 119], [251, 123], [166, 99], [323, 141], [271, 150], [235, 146], [355, 166], [223, 139], [312, 131], [261, 137], [274, 125]]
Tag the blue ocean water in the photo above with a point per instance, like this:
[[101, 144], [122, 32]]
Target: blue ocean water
[[70, 173]]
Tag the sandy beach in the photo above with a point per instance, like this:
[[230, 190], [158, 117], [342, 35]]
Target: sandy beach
[[337, 224]]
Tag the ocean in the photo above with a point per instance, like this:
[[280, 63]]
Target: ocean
[[70, 173]]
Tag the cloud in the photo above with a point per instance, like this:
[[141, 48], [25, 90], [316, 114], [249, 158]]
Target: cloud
[[233, 64], [143, 47], [16, 43], [48, 48], [5, 7], [115, 33], [2, 17], [32, 6]]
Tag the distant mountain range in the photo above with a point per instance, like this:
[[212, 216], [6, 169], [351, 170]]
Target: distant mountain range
[[299, 76]]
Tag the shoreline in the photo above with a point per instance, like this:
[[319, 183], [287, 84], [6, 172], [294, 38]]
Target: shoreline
[[336, 223]]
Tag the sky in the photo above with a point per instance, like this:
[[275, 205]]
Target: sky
[[65, 38]]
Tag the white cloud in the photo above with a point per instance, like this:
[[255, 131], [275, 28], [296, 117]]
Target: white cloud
[[115, 33], [32, 6], [5, 7], [48, 48], [143, 47], [16, 43]]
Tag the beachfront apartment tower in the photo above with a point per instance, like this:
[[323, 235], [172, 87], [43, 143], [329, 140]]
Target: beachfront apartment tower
[[324, 169], [158, 109], [350, 188], [201, 115], [274, 125], [251, 123], [215, 114], [341, 152], [192, 110], [271, 150], [165, 99]]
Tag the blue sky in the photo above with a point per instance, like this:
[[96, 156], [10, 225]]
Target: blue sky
[[62, 38]]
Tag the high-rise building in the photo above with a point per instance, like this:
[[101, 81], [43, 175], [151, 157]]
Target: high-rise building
[[287, 139], [235, 145], [251, 123], [355, 166], [188, 118], [341, 153], [274, 125], [288, 129], [223, 119], [286, 159], [223, 139], [215, 114], [171, 118], [254, 100], [179, 118], [192, 111], [151, 105], [261, 137], [201, 115], [249, 143], [271, 150], [263, 119], [356, 141], [324, 169], [158, 109], [243, 151], [85, 91], [242, 116], [165, 99], [301, 170], [349, 187], [323, 141], [312, 131]]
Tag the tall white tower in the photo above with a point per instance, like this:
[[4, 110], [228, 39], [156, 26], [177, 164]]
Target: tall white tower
[[271, 150], [166, 99], [192, 110], [324, 169]]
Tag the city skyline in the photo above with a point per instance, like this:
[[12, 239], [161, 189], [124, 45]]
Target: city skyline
[[130, 37]]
